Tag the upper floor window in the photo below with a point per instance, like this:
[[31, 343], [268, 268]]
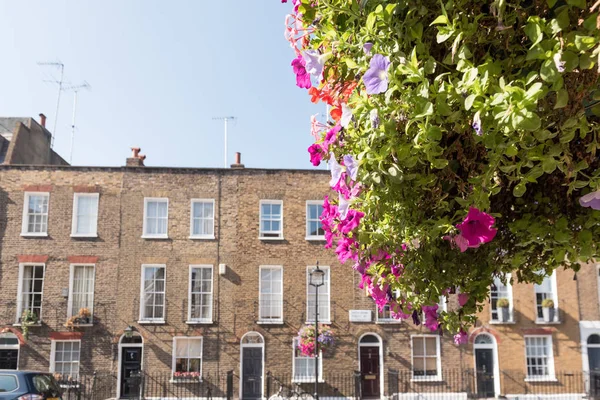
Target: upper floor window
[[156, 218], [385, 316], [202, 225], [540, 357], [314, 230], [543, 291], [324, 297], [31, 285], [501, 292], [201, 293], [304, 365], [271, 294], [64, 358], [271, 219], [81, 292], [187, 357], [35, 214], [152, 299], [426, 359], [85, 214]]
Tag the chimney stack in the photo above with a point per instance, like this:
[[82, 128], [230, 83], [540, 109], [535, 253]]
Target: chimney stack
[[136, 159], [238, 161], [43, 120]]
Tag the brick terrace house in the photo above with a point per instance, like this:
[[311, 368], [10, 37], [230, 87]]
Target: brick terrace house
[[186, 270]]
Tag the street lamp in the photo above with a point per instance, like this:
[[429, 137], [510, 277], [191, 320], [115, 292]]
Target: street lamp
[[128, 332], [316, 279]]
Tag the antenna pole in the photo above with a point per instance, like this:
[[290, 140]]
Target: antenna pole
[[73, 127], [225, 119]]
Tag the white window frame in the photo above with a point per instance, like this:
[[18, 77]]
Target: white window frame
[[387, 309], [551, 372], [509, 296], [53, 355], [261, 233], [146, 235], [201, 236], [76, 197], [20, 291], [307, 379], [71, 287], [261, 319], [308, 220], [554, 297], [146, 320], [437, 377], [310, 309], [25, 220], [174, 355], [208, 320]]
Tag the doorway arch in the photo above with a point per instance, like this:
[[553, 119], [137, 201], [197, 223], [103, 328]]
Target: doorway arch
[[487, 370], [252, 361], [593, 355], [9, 351], [370, 362], [131, 360]]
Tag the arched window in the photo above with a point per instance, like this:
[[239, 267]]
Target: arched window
[[135, 338], [252, 338], [369, 339], [484, 338], [593, 339]]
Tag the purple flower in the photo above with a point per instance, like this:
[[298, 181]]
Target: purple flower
[[560, 65], [477, 124], [367, 47], [315, 152], [336, 170], [345, 251], [351, 222], [431, 317], [463, 298], [302, 77], [374, 117], [376, 77], [460, 338], [397, 270], [314, 62], [591, 200], [346, 115], [351, 166], [476, 228], [380, 296], [331, 135]]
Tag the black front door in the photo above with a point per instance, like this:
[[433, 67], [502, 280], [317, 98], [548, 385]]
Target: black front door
[[9, 358], [594, 360], [131, 368], [484, 361], [252, 372], [369, 371]]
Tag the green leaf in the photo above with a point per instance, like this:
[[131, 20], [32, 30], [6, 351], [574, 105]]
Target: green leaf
[[562, 98], [440, 163], [534, 91], [469, 101], [571, 60], [442, 19], [511, 150], [425, 110], [371, 21], [577, 3], [551, 3], [549, 165], [586, 61], [548, 72], [534, 32], [520, 189], [530, 122], [434, 133], [584, 43]]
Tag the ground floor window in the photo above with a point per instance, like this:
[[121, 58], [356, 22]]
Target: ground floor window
[[426, 362], [304, 366], [540, 359], [9, 351], [187, 357], [64, 357]]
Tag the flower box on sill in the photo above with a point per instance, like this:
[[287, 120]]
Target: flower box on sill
[[186, 377]]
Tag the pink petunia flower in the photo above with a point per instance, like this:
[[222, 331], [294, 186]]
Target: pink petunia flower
[[431, 317], [351, 222], [316, 154], [345, 250], [302, 77], [460, 338], [476, 228], [463, 298]]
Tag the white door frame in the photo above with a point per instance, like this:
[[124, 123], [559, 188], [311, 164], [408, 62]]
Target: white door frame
[[494, 347], [381, 369], [262, 346], [587, 328], [16, 347], [121, 345]]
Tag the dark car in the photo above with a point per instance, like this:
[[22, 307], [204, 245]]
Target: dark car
[[28, 385]]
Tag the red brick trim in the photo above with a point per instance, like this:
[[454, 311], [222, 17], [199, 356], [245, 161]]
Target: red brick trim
[[86, 189], [16, 332], [37, 188], [83, 259], [66, 335], [483, 329], [32, 258], [539, 331]]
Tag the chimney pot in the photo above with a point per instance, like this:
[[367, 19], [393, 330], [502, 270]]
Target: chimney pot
[[136, 159], [136, 151], [238, 161], [42, 120]]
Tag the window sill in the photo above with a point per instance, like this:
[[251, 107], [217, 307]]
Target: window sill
[[151, 322], [511, 322], [427, 379], [270, 238], [390, 322], [270, 322], [542, 379], [542, 322], [84, 235], [31, 326], [210, 237], [315, 238], [185, 380], [155, 236], [83, 325], [307, 380], [68, 386], [199, 322], [26, 234], [328, 322]]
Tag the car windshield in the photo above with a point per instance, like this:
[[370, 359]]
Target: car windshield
[[46, 384]]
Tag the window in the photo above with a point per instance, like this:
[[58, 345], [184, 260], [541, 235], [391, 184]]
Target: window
[[8, 383], [304, 366], [156, 217], [540, 359], [85, 215], [443, 304], [31, 285], [385, 316], [271, 294], [35, 214], [426, 360], [314, 230], [324, 309], [81, 290], [64, 357], [498, 291], [546, 290], [202, 219], [187, 357], [201, 289], [271, 219], [152, 299]]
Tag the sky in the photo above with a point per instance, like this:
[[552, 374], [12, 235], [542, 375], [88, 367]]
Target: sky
[[159, 71]]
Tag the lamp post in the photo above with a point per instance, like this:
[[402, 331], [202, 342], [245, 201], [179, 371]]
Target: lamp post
[[316, 279]]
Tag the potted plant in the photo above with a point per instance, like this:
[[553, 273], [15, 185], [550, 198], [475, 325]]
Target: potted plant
[[306, 339], [85, 315], [187, 376], [28, 318], [503, 310], [548, 310]]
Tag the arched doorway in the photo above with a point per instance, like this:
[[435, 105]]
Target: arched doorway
[[131, 347], [252, 356], [370, 361], [593, 351], [9, 351], [486, 365]]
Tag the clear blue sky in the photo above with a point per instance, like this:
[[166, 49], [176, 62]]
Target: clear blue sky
[[159, 70]]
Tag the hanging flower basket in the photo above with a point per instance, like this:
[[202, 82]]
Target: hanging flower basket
[[306, 339]]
